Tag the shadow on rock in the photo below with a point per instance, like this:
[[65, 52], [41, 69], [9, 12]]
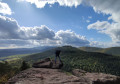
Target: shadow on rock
[[115, 81]]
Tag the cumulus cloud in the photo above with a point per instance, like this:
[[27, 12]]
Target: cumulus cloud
[[67, 37], [8, 28], [104, 44], [110, 7], [42, 3], [12, 34], [5, 9], [99, 44], [71, 38], [99, 25], [37, 33], [112, 30]]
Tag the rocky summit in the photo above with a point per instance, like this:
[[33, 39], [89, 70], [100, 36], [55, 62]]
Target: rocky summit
[[48, 72]]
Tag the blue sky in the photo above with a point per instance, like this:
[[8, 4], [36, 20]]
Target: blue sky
[[57, 17]]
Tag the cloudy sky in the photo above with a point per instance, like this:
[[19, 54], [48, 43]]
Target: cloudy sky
[[31, 23]]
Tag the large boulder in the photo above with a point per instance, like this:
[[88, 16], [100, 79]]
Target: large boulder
[[97, 78], [47, 63]]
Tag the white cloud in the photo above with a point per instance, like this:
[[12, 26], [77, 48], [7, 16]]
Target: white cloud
[[8, 28], [90, 17], [87, 21], [5, 9], [112, 30], [67, 37], [37, 33], [71, 38], [98, 44], [42, 3], [111, 7], [99, 25], [11, 34], [104, 44]]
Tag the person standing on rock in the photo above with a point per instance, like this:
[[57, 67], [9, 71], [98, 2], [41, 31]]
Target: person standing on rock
[[57, 54]]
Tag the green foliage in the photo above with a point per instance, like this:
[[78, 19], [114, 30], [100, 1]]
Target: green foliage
[[91, 49], [72, 58], [24, 66], [76, 58], [6, 72], [112, 51], [90, 61], [13, 57]]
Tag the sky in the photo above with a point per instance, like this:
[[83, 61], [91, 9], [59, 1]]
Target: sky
[[33, 23]]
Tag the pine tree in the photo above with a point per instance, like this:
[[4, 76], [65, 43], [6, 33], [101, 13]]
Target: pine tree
[[24, 66]]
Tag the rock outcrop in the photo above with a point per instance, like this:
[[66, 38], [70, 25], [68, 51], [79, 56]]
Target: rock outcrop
[[56, 76], [47, 63], [48, 72], [97, 78]]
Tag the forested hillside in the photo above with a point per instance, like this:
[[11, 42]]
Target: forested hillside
[[73, 58], [111, 50], [76, 58]]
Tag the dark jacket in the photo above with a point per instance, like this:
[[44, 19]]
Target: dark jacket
[[57, 52]]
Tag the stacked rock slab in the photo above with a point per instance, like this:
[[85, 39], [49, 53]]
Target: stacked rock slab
[[47, 63]]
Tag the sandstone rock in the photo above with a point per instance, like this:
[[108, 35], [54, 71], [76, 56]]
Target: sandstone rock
[[45, 76], [56, 76], [97, 78], [43, 65], [42, 61], [47, 63]]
